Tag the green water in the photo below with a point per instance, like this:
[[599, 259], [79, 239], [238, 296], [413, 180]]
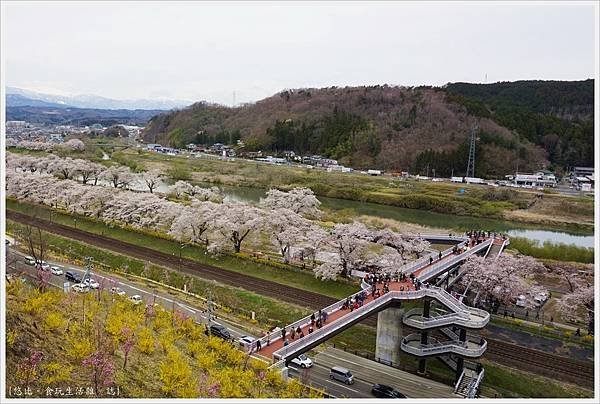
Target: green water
[[539, 233]]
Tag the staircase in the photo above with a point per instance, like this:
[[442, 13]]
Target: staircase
[[468, 383]]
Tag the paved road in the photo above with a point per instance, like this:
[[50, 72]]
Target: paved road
[[366, 373], [16, 261]]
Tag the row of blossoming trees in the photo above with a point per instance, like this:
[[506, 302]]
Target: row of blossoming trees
[[288, 220], [71, 144], [196, 215]]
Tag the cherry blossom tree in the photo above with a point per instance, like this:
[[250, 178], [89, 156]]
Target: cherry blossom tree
[[192, 223], [287, 229], [65, 168], [579, 303], [182, 189], [74, 144], [89, 171], [235, 221], [152, 178], [118, 176], [301, 201], [350, 244], [502, 280], [403, 244]]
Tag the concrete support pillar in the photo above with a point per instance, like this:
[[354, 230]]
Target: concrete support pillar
[[424, 335], [389, 335]]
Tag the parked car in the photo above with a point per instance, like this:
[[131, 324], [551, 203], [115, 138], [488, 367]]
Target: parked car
[[80, 288], [73, 276], [117, 291], [246, 341], [56, 270], [217, 330], [521, 301], [540, 298], [383, 391], [45, 266], [91, 283], [136, 299], [341, 374], [303, 361], [29, 260]]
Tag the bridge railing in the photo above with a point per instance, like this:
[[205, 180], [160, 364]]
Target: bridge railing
[[473, 347], [474, 386], [439, 267], [308, 340], [332, 308]]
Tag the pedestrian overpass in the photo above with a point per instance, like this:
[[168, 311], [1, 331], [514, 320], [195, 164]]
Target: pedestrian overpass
[[448, 314]]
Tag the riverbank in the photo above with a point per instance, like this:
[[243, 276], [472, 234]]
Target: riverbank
[[526, 206]]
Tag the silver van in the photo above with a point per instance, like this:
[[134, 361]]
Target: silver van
[[341, 374]]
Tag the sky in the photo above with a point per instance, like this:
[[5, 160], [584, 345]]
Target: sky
[[209, 51]]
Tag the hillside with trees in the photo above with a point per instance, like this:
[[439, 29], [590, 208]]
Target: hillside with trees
[[58, 342], [556, 115], [400, 128]]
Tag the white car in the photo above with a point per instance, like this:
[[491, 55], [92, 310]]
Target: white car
[[117, 291], [521, 301], [43, 264], [246, 341], [303, 361], [91, 283], [56, 270], [29, 260], [136, 299], [80, 288]]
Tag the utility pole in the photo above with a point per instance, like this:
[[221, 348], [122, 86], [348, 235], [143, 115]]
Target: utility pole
[[471, 162], [209, 306], [89, 265]]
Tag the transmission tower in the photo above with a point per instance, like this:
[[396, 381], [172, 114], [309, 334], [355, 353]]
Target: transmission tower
[[471, 163]]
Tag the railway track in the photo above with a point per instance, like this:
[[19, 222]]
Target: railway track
[[513, 355], [547, 364], [261, 286]]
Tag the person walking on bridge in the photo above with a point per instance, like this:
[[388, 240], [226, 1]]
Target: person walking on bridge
[[440, 256]]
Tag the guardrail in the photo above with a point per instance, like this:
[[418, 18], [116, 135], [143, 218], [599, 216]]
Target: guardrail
[[474, 347], [414, 318], [439, 267], [474, 386], [332, 308], [462, 375]]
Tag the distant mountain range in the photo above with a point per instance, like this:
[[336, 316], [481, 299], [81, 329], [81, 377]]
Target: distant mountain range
[[18, 97]]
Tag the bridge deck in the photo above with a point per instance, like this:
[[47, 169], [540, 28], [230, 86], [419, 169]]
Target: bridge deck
[[276, 341]]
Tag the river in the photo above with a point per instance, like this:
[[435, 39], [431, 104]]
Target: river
[[540, 233]]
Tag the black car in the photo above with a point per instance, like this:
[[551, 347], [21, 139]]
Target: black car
[[73, 277], [383, 391], [217, 330]]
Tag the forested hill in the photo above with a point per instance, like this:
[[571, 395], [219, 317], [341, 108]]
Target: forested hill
[[399, 128], [557, 115]]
